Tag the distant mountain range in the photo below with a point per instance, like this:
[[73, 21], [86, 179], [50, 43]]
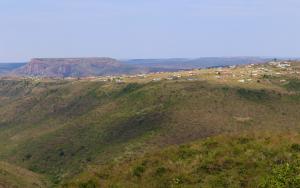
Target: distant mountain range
[[83, 67], [185, 63]]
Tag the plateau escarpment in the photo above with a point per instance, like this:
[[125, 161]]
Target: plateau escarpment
[[73, 67]]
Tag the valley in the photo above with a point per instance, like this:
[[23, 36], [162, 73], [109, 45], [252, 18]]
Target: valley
[[149, 94], [165, 129]]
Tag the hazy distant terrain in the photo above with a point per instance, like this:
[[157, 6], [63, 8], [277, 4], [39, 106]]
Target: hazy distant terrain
[[8, 67], [185, 63], [84, 67]]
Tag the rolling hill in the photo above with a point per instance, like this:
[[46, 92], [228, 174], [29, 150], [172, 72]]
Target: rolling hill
[[76, 132]]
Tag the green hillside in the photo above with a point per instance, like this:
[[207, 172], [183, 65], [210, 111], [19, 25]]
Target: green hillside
[[251, 160], [62, 128]]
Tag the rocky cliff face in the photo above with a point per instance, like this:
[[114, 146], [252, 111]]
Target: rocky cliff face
[[74, 67]]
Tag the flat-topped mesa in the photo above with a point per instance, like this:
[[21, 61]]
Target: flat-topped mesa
[[71, 67], [97, 60]]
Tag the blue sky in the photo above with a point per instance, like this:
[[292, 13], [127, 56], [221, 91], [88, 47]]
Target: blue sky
[[148, 28]]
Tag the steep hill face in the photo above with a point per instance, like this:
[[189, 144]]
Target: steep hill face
[[73, 67]]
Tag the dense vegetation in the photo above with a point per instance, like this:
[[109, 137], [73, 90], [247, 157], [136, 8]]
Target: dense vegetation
[[61, 129]]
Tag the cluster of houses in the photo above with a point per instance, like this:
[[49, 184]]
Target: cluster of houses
[[280, 64], [254, 72], [241, 74]]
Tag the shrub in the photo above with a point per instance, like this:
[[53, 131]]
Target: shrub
[[179, 180], [89, 184], [185, 152], [293, 85], [254, 95], [295, 147], [284, 175], [139, 170], [28, 156], [160, 171]]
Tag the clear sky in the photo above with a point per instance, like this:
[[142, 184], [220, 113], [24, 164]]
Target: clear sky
[[148, 28]]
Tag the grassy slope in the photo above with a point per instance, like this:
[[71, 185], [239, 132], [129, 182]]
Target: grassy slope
[[246, 160], [13, 176], [57, 128]]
